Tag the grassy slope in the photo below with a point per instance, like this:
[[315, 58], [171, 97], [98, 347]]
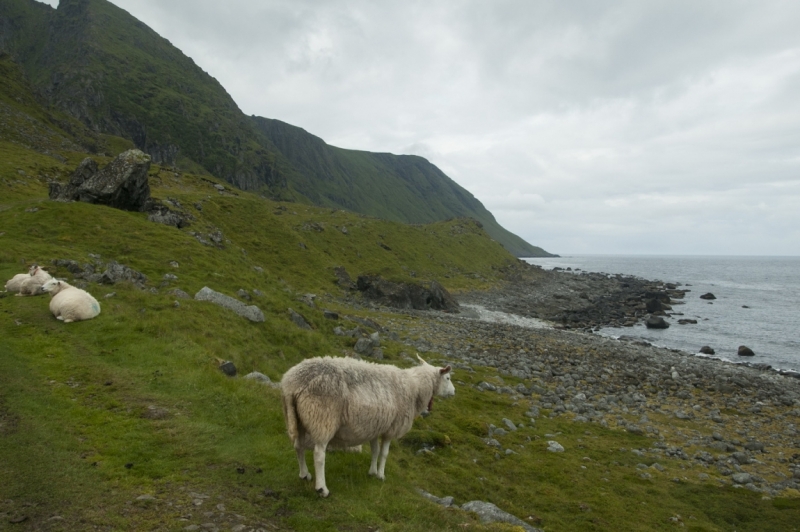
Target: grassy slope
[[139, 384]]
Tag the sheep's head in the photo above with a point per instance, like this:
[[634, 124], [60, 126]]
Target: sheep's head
[[53, 286], [446, 388], [33, 269]]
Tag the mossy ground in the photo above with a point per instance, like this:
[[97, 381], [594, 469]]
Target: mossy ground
[[95, 414]]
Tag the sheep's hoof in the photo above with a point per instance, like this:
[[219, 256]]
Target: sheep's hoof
[[323, 492]]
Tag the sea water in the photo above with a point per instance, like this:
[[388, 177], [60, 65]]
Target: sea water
[[757, 305]]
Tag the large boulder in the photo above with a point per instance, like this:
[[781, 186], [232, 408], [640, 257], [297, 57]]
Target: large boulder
[[122, 184], [656, 322], [406, 295], [708, 296], [745, 351]]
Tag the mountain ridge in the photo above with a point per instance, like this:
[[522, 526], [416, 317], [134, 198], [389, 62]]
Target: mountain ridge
[[99, 64]]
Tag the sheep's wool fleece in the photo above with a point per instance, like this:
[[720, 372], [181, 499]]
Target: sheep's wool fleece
[[348, 401]]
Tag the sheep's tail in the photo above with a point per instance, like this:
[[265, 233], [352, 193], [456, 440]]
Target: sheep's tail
[[290, 415]]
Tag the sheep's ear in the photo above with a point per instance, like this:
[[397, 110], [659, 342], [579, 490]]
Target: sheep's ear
[[420, 359], [444, 370]]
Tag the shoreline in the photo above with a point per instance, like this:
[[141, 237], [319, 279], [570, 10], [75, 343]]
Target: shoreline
[[726, 423]]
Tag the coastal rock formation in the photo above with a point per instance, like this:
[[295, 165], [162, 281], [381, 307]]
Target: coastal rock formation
[[406, 295], [706, 350], [122, 184], [656, 322], [745, 351], [708, 296]]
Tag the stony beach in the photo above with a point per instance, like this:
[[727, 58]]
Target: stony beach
[[725, 423]]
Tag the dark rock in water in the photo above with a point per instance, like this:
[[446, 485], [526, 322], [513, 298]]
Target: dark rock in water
[[654, 305], [706, 350], [299, 320], [406, 295], [745, 351], [655, 322], [122, 184], [687, 322], [228, 368], [708, 295]]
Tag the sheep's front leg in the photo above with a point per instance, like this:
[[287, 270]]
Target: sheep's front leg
[[384, 453], [319, 469], [301, 459], [375, 448]]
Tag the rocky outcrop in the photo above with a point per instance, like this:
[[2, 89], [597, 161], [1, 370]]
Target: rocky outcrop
[[709, 296], [406, 295], [122, 184], [102, 273]]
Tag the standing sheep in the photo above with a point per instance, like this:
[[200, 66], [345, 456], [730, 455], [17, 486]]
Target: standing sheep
[[345, 402], [69, 303], [32, 286], [15, 283]]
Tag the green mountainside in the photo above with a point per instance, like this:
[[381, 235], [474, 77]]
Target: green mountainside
[[101, 66]]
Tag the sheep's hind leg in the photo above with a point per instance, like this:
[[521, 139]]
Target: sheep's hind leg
[[301, 459], [319, 469], [375, 448], [384, 453]]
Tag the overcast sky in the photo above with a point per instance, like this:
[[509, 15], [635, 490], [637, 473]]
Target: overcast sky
[[657, 127]]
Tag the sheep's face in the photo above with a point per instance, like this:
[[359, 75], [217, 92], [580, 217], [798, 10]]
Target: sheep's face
[[446, 388], [53, 286], [33, 269]]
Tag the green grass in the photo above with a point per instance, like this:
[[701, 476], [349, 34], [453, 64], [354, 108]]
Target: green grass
[[139, 384]]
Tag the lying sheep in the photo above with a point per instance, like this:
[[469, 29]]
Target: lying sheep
[[69, 303], [345, 402], [32, 286], [15, 283]]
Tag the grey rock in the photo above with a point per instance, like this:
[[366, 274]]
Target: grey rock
[[244, 294], [177, 292], [228, 368], [555, 447], [330, 315], [706, 350], [742, 478], [252, 312], [299, 320], [170, 277], [121, 184], [444, 501], [490, 513], [510, 424], [363, 346], [754, 446], [708, 296], [487, 386]]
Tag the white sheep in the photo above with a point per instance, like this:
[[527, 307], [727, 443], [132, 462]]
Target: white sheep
[[15, 283], [346, 402], [32, 286], [69, 303]]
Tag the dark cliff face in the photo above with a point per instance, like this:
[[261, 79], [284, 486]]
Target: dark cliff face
[[117, 76]]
